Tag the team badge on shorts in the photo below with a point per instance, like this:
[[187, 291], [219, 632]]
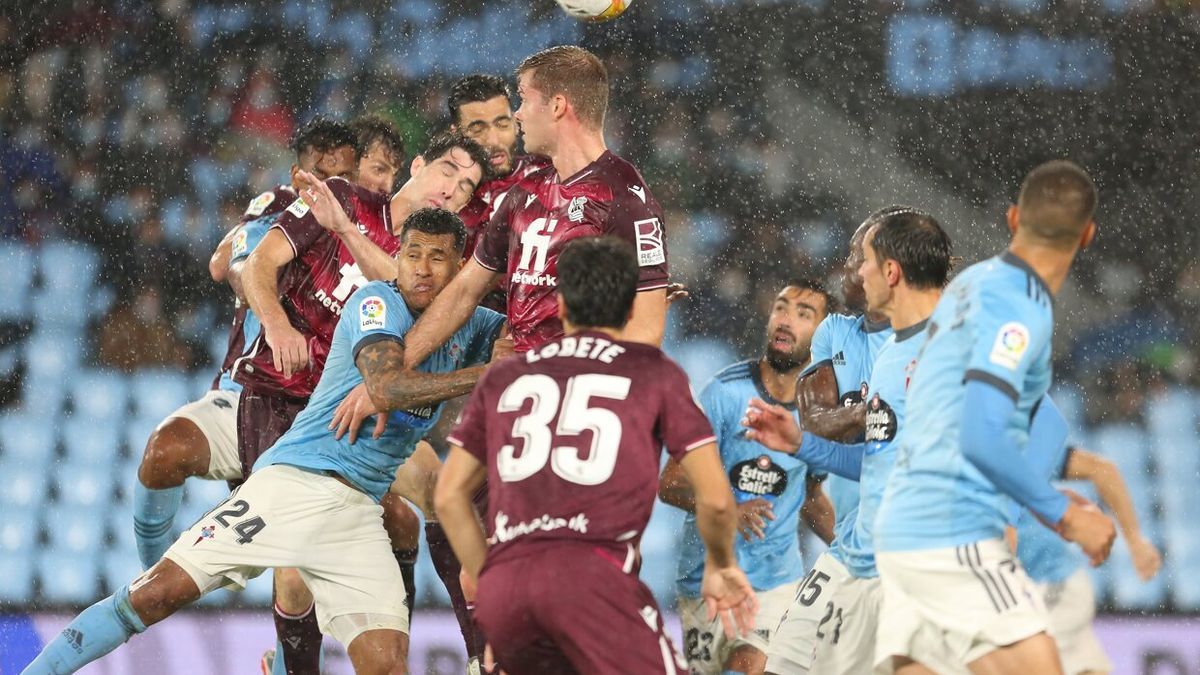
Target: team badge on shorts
[[371, 312], [206, 533]]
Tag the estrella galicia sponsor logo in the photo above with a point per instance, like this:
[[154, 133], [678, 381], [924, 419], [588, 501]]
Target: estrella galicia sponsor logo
[[759, 477], [881, 420], [855, 397]]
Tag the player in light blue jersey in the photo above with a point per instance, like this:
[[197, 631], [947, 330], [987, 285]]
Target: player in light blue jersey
[[951, 585], [1059, 568], [772, 490], [313, 501], [829, 396], [906, 263]]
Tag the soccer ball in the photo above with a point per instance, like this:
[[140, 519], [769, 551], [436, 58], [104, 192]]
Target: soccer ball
[[594, 10]]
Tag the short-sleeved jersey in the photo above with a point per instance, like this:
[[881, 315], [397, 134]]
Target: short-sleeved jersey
[[572, 434], [271, 202], [754, 472], [993, 324], [886, 403], [316, 284], [245, 326], [542, 213], [1045, 555], [849, 345], [377, 312]]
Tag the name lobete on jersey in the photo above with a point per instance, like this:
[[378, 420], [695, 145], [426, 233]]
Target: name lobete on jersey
[[315, 285], [539, 215]]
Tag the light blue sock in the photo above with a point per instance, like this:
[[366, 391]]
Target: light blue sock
[[153, 516], [279, 667], [98, 630]]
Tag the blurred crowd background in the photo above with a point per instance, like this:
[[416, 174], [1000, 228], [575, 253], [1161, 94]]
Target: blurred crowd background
[[134, 133]]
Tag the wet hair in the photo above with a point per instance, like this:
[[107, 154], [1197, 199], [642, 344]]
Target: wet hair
[[916, 241], [475, 89], [807, 284], [446, 141], [322, 134], [1057, 202], [436, 221], [575, 73], [597, 279], [372, 129]]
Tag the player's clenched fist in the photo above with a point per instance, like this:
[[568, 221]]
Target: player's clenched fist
[[1087, 526], [289, 349]]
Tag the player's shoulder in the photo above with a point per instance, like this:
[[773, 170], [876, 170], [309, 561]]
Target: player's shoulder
[[528, 165], [271, 201], [735, 372], [1009, 283], [836, 324]]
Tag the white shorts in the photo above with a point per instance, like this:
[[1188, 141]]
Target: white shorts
[[333, 534], [846, 632], [705, 643], [1072, 607], [215, 414], [954, 605], [793, 645]]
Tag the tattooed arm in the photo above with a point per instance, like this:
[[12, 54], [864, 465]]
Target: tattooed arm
[[393, 388]]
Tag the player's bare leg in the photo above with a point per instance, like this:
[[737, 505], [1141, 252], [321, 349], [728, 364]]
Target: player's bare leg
[[404, 529], [379, 652], [175, 451], [746, 659], [906, 666], [1037, 654]]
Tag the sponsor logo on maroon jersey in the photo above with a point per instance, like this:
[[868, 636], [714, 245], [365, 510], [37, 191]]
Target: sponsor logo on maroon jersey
[[546, 523]]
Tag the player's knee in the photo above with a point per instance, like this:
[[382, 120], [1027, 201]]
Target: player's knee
[[291, 593], [402, 524], [173, 452], [382, 652]]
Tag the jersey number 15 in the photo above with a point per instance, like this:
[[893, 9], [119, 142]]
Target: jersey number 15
[[574, 417]]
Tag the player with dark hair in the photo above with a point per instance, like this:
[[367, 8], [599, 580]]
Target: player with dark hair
[[951, 585], [332, 240], [200, 438], [382, 152], [772, 489], [906, 262], [313, 500], [569, 438]]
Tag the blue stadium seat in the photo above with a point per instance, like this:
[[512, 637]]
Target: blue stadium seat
[[85, 485], [136, 433], [68, 578], [62, 307], [16, 583], [257, 593], [25, 486], [120, 527], [1181, 560], [74, 530], [701, 359], [157, 393], [660, 552], [205, 494], [100, 394], [27, 438], [93, 441], [17, 262], [18, 530], [1128, 590], [118, 568], [1126, 445], [64, 264]]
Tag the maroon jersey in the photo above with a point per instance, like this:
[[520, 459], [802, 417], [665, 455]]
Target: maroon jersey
[[541, 214], [571, 434], [271, 201], [476, 214], [315, 283]]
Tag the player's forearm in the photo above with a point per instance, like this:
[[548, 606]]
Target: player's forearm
[[648, 324], [234, 279], [398, 389], [1115, 495], [218, 264], [832, 457], [374, 263], [457, 516], [674, 489], [260, 282], [817, 511], [716, 519], [841, 423]]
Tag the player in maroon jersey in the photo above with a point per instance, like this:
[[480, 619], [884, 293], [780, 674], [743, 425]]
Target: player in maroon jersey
[[382, 153], [569, 438], [588, 191], [296, 281]]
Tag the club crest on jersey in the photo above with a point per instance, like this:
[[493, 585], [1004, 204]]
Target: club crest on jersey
[[371, 313], [1011, 343], [575, 209], [650, 242], [759, 477], [881, 420], [260, 204], [298, 208]]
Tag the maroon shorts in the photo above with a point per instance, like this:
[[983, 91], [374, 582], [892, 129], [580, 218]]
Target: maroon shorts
[[570, 609], [261, 420]]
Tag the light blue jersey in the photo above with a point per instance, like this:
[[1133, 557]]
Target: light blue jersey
[[848, 344], [379, 313], [247, 238], [886, 422], [754, 472], [1045, 555], [994, 325]]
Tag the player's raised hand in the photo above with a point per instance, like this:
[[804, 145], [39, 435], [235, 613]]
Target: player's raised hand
[[753, 515], [1088, 527], [1146, 558], [728, 594], [289, 349], [677, 292], [322, 203], [773, 426], [350, 413]]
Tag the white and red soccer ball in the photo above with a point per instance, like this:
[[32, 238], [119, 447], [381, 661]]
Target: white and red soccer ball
[[594, 10]]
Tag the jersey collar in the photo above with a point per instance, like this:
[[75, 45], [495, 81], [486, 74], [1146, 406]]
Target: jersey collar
[[756, 378], [870, 326], [1017, 262], [902, 335]]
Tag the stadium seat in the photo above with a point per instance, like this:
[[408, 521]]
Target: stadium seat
[[17, 262], [73, 530], [18, 530], [135, 435], [1181, 560], [68, 578], [96, 442], [118, 567], [62, 308], [67, 265], [157, 393], [701, 359], [27, 438], [25, 486], [205, 494], [257, 593], [85, 485], [100, 394], [16, 583], [120, 527]]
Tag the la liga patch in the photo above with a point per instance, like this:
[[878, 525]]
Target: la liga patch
[[371, 313], [260, 204], [1012, 341]]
